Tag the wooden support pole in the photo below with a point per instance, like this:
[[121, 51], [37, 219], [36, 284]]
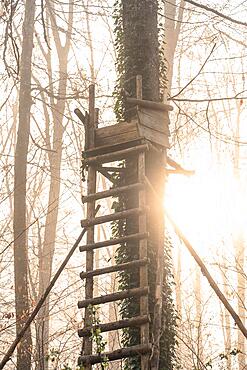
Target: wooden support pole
[[126, 323], [204, 269], [178, 168], [120, 267], [157, 310], [106, 174], [209, 278], [107, 243], [115, 355], [114, 216], [92, 116], [91, 188], [179, 172], [139, 87], [135, 292], [112, 192], [120, 154], [80, 115], [42, 300], [142, 255]]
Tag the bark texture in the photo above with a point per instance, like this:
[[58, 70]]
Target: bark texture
[[141, 47], [141, 57], [20, 178]]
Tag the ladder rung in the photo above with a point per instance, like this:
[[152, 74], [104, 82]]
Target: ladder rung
[[107, 243], [114, 216], [120, 267], [133, 351], [111, 192], [135, 292], [118, 155], [127, 323]]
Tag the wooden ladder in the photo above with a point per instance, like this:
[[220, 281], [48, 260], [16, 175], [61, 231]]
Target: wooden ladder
[[94, 160]]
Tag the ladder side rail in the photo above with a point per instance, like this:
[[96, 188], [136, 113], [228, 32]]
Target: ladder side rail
[[143, 245], [91, 188], [143, 254]]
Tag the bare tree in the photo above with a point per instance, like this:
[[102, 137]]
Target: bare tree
[[20, 178], [55, 157]]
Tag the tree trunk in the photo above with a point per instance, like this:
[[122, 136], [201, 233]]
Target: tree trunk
[[20, 177], [139, 30], [55, 157], [140, 56], [172, 29]]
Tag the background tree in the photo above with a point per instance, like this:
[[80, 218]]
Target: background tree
[[20, 179]]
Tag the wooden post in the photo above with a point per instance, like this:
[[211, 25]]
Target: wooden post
[[91, 188], [143, 269], [139, 87], [144, 329], [158, 304]]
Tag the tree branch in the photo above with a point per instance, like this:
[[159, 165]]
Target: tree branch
[[193, 79], [208, 9]]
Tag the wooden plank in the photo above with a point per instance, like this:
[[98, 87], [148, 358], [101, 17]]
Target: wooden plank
[[154, 136], [112, 192], [112, 169], [149, 104], [88, 222], [121, 154], [114, 268], [104, 149], [133, 351], [114, 130], [116, 241], [156, 120], [117, 139], [119, 133], [116, 325], [135, 292]]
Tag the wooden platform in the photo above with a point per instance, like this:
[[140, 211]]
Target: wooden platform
[[145, 136], [149, 122]]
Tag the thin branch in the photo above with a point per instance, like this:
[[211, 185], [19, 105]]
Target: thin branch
[[193, 79], [208, 9], [236, 97]]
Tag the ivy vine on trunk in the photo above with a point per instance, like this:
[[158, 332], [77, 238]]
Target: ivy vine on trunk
[[139, 52]]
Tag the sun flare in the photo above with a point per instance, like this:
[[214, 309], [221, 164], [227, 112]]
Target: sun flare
[[208, 206]]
